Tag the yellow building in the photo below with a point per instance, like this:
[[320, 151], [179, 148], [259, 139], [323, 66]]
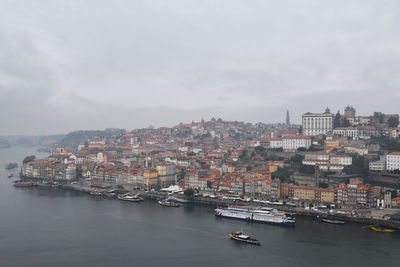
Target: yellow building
[[330, 145], [150, 178], [355, 150], [225, 185], [273, 165], [327, 195], [284, 190], [303, 192], [324, 195], [268, 183], [166, 169], [395, 202]]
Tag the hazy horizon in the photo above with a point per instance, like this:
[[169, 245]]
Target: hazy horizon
[[70, 65]]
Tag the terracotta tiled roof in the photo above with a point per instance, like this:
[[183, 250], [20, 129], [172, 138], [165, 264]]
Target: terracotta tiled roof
[[296, 137]]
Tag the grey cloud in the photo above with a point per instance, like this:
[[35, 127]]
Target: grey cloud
[[67, 65]]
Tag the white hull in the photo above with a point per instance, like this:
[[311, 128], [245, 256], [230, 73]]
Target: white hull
[[262, 216]]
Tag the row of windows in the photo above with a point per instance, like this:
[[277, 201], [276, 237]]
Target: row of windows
[[325, 123]]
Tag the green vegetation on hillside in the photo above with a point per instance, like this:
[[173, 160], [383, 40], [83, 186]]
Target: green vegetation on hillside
[[283, 173], [386, 143], [73, 139], [358, 166], [28, 159]]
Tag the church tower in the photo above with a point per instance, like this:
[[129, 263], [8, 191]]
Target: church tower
[[287, 117]]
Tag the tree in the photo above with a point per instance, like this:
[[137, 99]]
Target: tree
[[323, 185], [28, 159], [345, 123], [189, 192], [393, 122], [283, 173], [314, 148], [307, 169], [260, 148], [390, 144], [336, 120], [302, 149], [357, 166], [297, 158], [351, 169]]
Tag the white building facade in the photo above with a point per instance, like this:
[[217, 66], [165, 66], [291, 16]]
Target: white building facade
[[289, 142], [378, 165], [359, 132], [317, 123], [393, 161], [294, 142], [327, 162]]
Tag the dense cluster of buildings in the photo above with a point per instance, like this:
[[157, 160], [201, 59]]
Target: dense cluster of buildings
[[224, 156], [326, 161], [350, 125], [46, 169], [287, 142], [317, 123]]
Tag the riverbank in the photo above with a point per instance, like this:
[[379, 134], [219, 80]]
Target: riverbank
[[55, 227], [155, 195]]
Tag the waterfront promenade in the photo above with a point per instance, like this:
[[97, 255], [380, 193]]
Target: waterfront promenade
[[359, 216]]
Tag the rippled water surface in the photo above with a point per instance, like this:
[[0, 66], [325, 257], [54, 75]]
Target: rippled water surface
[[47, 227]]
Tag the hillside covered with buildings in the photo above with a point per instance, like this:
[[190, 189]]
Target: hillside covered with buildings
[[343, 159]]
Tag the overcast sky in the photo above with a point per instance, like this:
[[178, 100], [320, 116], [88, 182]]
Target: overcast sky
[[67, 65]]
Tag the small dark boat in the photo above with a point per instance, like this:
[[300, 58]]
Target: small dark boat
[[11, 165], [10, 175], [239, 236], [23, 184], [326, 220], [110, 195]]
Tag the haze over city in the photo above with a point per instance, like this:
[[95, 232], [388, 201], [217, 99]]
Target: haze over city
[[67, 65], [199, 133]]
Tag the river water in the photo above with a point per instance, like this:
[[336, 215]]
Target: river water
[[48, 227]]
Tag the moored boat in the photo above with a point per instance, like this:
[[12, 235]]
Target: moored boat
[[239, 236], [110, 195], [130, 198], [169, 203], [96, 193], [23, 184], [326, 220], [377, 228], [382, 230], [270, 216], [11, 165]]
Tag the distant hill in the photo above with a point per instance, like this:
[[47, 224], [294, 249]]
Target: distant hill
[[4, 143], [73, 139], [31, 140]]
